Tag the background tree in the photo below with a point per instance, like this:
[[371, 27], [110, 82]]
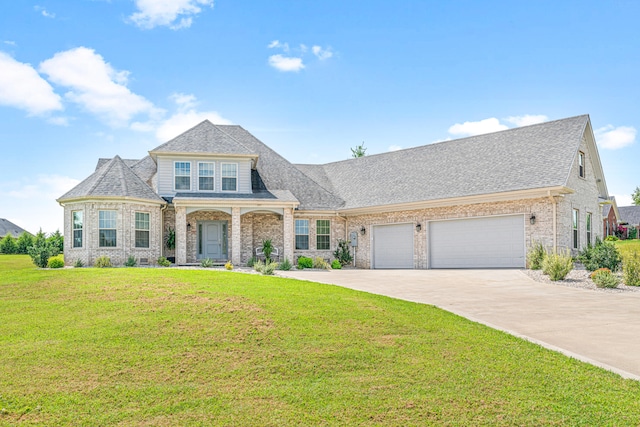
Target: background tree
[[636, 196], [359, 151], [56, 240], [24, 242], [42, 250], [8, 245]]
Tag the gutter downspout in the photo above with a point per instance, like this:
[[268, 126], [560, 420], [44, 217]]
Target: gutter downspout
[[555, 222], [162, 209]]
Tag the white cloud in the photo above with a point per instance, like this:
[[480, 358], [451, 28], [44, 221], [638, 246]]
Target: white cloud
[[613, 138], [44, 12], [96, 85], [277, 45], [185, 117], [174, 14], [527, 119], [623, 199], [59, 121], [9, 42], [394, 148], [30, 202], [22, 87], [286, 64], [321, 53], [477, 128]]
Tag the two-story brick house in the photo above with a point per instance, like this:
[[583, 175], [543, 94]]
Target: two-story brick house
[[473, 202]]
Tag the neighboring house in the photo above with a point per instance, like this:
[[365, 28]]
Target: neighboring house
[[473, 202], [630, 218], [610, 217], [7, 227]]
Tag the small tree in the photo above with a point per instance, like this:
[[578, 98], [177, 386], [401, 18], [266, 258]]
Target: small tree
[[56, 240], [267, 248], [359, 151], [42, 250], [636, 196], [8, 245], [24, 242], [343, 253]]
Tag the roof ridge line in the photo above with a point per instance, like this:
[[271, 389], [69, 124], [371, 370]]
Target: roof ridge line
[[123, 180], [107, 167]]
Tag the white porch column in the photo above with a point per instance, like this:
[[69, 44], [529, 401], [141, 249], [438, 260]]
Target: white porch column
[[287, 224], [236, 245], [181, 235]]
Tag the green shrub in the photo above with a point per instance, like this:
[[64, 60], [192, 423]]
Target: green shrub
[[8, 245], [207, 263], [55, 262], [343, 252], [251, 261], [163, 262], [336, 265], [258, 266], [78, 263], [631, 270], [601, 255], [611, 238], [131, 261], [285, 265], [604, 278], [170, 239], [41, 250], [269, 268], [321, 264], [267, 248], [535, 256], [305, 262], [56, 240], [103, 262], [633, 233], [557, 265]]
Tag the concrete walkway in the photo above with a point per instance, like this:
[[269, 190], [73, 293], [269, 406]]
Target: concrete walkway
[[596, 327]]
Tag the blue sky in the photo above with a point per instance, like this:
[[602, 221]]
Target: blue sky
[[86, 79]]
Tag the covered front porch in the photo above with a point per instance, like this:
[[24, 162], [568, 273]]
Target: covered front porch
[[230, 230]]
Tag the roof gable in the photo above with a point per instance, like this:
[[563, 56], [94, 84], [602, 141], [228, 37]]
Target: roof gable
[[630, 214], [205, 138], [7, 227], [114, 179]]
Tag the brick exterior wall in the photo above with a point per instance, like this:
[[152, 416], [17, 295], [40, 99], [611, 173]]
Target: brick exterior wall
[[612, 224], [585, 200], [541, 231], [125, 233], [337, 232]]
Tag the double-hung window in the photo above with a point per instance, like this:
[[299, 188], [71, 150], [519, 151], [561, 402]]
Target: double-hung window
[[182, 174], [302, 234], [581, 170], [229, 177], [206, 175], [323, 240], [588, 225], [575, 228], [78, 225], [142, 230], [107, 233]]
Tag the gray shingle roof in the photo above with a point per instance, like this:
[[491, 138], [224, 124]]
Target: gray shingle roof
[[204, 138], [630, 214], [113, 179], [278, 174], [523, 158], [282, 195], [7, 227]]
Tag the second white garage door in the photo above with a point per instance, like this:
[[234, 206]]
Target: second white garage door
[[393, 246], [488, 242]]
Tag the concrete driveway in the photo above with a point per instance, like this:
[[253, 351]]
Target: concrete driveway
[[596, 327]]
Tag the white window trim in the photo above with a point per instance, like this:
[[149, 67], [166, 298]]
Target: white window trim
[[116, 229], [575, 228], [582, 159], [214, 177], [73, 230], [237, 180], [328, 234], [174, 174], [588, 227], [135, 228], [308, 234]]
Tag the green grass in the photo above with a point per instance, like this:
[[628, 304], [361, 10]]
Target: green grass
[[178, 347], [627, 247]]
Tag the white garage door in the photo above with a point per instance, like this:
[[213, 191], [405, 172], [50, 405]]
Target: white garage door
[[393, 246], [489, 242]]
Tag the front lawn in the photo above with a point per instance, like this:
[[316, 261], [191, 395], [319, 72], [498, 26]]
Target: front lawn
[[627, 247], [180, 347]]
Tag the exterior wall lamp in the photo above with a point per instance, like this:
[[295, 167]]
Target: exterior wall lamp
[[363, 230], [418, 227], [532, 219], [188, 226]]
